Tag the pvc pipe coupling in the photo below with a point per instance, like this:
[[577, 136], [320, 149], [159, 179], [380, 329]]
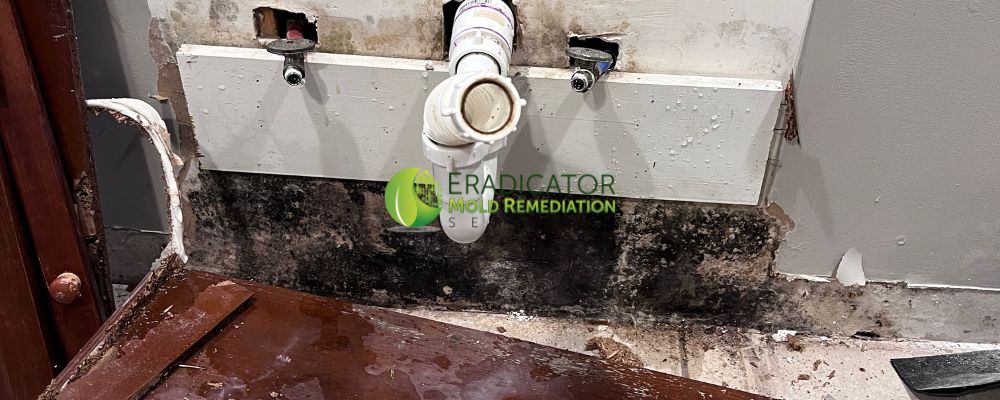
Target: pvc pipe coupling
[[472, 107], [483, 32]]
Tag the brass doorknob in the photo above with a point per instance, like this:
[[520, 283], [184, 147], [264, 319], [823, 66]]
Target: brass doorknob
[[65, 288]]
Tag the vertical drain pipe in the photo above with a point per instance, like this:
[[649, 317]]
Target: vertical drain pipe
[[468, 117]]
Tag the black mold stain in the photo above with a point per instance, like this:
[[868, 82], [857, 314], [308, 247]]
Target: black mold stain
[[709, 261], [223, 9], [333, 237]]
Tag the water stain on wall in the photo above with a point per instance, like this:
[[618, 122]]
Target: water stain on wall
[[223, 9]]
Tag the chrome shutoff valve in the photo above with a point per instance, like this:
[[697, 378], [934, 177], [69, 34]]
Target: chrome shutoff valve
[[590, 65], [294, 51], [294, 48]]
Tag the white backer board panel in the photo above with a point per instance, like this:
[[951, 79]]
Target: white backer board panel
[[359, 117]]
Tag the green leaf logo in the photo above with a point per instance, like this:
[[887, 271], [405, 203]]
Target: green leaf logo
[[411, 197]]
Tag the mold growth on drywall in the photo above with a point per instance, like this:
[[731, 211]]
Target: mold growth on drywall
[[655, 260], [652, 259], [758, 40], [710, 261], [333, 237]]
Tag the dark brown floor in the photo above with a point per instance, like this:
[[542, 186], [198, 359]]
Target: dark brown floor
[[289, 345]]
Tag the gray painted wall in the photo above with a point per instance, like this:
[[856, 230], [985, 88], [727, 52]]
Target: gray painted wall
[[900, 130], [115, 62]]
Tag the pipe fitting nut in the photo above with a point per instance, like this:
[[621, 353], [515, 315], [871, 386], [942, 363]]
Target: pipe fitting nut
[[472, 107], [582, 80], [293, 75], [294, 51]]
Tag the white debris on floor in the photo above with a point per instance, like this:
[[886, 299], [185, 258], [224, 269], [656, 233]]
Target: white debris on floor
[[797, 367]]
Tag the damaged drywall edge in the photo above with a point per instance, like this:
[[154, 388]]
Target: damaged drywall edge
[[851, 270], [808, 278], [790, 277], [781, 125], [932, 286], [717, 38], [145, 117]]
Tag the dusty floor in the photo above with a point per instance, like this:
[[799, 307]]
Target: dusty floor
[[807, 368]]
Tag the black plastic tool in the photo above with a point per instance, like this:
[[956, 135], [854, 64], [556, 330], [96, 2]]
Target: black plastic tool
[[971, 375]]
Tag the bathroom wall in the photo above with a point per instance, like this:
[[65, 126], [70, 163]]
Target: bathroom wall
[[113, 44], [728, 38], [654, 258], [897, 109], [299, 235], [115, 62]]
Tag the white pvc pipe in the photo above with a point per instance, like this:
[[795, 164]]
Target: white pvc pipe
[[477, 62], [481, 160], [472, 107], [485, 27], [468, 117]]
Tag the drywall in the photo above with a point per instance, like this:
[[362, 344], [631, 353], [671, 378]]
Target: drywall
[[115, 62], [900, 132], [357, 117], [303, 233], [729, 38], [653, 260]]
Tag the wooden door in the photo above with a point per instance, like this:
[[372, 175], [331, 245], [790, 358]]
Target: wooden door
[[25, 347], [44, 152]]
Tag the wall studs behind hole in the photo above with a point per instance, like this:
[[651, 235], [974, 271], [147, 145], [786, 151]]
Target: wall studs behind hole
[[286, 34], [272, 23]]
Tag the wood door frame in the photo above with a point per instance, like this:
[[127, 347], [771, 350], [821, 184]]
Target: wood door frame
[[24, 342], [47, 26], [35, 157]]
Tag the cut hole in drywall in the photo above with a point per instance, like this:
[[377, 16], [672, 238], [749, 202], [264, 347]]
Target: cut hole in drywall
[[273, 23], [450, 8], [596, 42]]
